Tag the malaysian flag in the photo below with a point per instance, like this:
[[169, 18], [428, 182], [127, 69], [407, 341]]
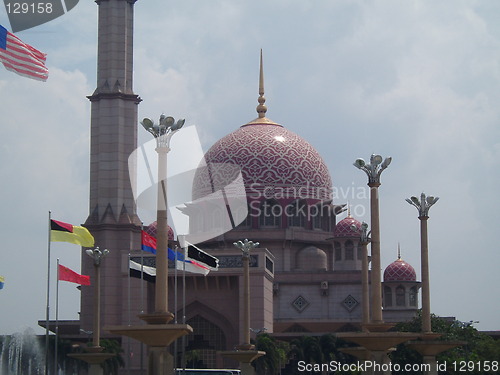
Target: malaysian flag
[[21, 58]]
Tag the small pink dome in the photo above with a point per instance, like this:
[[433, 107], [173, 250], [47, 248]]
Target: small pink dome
[[399, 270], [348, 227], [151, 230]]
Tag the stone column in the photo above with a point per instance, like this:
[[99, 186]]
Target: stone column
[[376, 291], [426, 292]]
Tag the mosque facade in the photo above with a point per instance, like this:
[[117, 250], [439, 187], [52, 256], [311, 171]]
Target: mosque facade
[[305, 275]]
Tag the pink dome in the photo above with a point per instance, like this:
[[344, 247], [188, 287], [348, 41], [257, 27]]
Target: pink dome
[[399, 270], [151, 230], [344, 228], [274, 162]]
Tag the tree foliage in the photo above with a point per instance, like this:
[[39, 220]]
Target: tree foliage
[[478, 348]]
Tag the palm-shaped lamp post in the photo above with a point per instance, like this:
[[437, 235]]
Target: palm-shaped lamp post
[[364, 240], [373, 170], [245, 247], [162, 132], [245, 353], [94, 355], [423, 205], [157, 334], [97, 255]]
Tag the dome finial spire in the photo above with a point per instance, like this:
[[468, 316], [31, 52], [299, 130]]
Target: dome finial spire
[[399, 251], [261, 108]]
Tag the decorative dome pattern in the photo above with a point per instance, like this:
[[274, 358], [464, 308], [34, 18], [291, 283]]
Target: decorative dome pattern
[[399, 270], [274, 162], [152, 228], [348, 227]]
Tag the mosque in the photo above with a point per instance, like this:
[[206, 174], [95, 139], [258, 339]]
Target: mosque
[[305, 275]]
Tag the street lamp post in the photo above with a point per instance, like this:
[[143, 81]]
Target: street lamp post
[[373, 170], [245, 246], [94, 355], [162, 132], [423, 205], [158, 333], [364, 240], [97, 255]]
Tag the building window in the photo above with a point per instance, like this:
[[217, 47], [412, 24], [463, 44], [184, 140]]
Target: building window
[[413, 296], [400, 296], [317, 220], [326, 219], [349, 250], [296, 214], [247, 223], [387, 296], [321, 217], [270, 214], [359, 252], [338, 251]]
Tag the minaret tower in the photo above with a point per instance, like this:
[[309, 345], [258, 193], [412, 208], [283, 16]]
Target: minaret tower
[[113, 219]]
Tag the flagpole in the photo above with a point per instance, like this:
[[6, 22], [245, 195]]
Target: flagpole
[[142, 294], [48, 303], [129, 319], [175, 304], [142, 270], [57, 318], [184, 307]]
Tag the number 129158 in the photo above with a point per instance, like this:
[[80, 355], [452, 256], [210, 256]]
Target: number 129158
[[28, 8]]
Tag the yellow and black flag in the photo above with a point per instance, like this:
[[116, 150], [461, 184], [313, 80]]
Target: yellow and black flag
[[64, 232]]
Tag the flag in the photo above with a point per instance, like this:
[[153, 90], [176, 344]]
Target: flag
[[148, 273], [201, 257], [2, 282], [21, 58], [64, 232], [188, 265], [66, 274], [148, 242]]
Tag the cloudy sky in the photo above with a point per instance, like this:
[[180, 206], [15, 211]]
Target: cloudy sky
[[415, 80]]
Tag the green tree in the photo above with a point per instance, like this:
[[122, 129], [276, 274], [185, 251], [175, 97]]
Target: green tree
[[478, 347], [111, 365], [276, 355]]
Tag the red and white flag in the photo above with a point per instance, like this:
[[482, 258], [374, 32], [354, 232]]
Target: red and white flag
[[21, 58], [66, 274]]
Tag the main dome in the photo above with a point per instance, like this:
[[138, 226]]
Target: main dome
[[274, 162]]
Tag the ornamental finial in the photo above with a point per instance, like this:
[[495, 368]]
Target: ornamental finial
[[261, 108]]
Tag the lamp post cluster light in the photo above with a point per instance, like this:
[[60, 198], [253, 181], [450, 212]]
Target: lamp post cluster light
[[94, 355], [364, 240], [245, 247], [158, 334], [373, 170], [423, 205], [245, 353], [97, 255], [162, 132]]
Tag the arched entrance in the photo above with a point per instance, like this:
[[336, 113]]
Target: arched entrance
[[203, 344]]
